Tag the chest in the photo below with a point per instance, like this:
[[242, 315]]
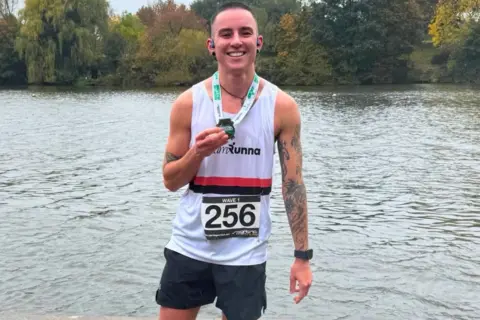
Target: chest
[[231, 106]]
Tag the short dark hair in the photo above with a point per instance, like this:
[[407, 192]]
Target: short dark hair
[[230, 5]]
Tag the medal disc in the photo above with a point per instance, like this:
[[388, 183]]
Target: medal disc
[[228, 127]]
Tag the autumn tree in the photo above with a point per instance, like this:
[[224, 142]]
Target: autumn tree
[[453, 21], [301, 61], [455, 31], [173, 45]]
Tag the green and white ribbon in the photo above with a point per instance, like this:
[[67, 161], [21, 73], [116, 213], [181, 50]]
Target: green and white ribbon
[[247, 104]]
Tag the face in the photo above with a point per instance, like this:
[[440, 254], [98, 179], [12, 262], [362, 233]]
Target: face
[[235, 36]]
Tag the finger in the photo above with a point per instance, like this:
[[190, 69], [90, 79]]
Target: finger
[[303, 292], [292, 285], [210, 145], [205, 133], [299, 297], [213, 140]]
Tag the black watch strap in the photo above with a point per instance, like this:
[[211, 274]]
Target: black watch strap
[[303, 254]]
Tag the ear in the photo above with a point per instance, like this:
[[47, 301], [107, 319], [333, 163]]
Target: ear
[[210, 46], [259, 42]]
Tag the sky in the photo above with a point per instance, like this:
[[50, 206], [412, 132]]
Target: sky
[[133, 5], [119, 6]]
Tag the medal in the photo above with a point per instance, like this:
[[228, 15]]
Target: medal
[[226, 123]]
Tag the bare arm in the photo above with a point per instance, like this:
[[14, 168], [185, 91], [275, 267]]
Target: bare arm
[[180, 163], [290, 154]]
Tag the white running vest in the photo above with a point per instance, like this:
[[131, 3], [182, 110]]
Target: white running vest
[[231, 190]]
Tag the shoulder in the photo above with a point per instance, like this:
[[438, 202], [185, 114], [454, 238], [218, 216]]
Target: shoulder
[[286, 109], [183, 104], [181, 111], [285, 102]]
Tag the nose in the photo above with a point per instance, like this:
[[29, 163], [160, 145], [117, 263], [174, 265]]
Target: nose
[[236, 40]]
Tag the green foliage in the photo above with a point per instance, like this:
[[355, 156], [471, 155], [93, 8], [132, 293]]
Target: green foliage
[[428, 65], [300, 60], [366, 40], [12, 68], [466, 61], [129, 26], [61, 41], [305, 42], [453, 21], [455, 29]]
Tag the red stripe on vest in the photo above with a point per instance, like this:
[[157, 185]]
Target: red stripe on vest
[[232, 182]]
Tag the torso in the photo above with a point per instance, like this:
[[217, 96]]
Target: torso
[[243, 170]]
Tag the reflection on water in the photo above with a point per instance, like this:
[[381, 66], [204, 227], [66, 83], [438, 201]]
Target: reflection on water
[[394, 203]]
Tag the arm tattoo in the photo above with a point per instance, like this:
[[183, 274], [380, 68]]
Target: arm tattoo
[[297, 146], [284, 157], [170, 157], [295, 196], [294, 192]]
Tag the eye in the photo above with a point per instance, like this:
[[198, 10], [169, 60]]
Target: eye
[[246, 32]]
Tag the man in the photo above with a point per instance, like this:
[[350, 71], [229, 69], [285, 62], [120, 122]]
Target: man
[[222, 144]]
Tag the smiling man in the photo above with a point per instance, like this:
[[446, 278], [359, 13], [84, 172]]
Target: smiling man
[[221, 144]]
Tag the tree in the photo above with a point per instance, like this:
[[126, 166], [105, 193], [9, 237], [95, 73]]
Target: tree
[[7, 8], [453, 21], [12, 68], [173, 44], [366, 40], [466, 60], [301, 61], [62, 41]]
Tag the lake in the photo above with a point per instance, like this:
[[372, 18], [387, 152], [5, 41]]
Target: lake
[[393, 180]]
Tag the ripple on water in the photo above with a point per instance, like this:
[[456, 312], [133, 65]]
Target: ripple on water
[[392, 176]]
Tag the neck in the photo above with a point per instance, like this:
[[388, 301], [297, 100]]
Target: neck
[[236, 83]]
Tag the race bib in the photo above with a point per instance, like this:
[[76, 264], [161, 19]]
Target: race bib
[[227, 217]]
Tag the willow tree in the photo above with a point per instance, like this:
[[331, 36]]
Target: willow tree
[[60, 40]]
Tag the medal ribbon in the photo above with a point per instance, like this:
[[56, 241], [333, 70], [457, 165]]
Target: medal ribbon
[[247, 104]]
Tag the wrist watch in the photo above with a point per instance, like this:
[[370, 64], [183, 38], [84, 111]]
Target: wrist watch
[[303, 254]]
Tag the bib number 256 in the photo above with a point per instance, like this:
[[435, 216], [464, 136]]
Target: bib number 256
[[245, 217], [225, 217]]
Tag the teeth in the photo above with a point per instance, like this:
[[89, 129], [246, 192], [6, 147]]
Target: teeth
[[236, 54]]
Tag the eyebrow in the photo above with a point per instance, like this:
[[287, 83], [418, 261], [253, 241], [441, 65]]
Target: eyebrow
[[230, 29]]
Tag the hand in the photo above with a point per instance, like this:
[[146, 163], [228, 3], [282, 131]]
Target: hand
[[209, 140], [301, 274]]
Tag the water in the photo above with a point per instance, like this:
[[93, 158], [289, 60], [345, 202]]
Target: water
[[393, 192]]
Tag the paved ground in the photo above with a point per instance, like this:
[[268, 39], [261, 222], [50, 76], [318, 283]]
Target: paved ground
[[15, 316]]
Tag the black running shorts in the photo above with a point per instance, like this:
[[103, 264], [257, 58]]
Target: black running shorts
[[187, 283]]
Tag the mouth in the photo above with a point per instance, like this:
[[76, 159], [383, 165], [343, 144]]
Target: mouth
[[236, 54]]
